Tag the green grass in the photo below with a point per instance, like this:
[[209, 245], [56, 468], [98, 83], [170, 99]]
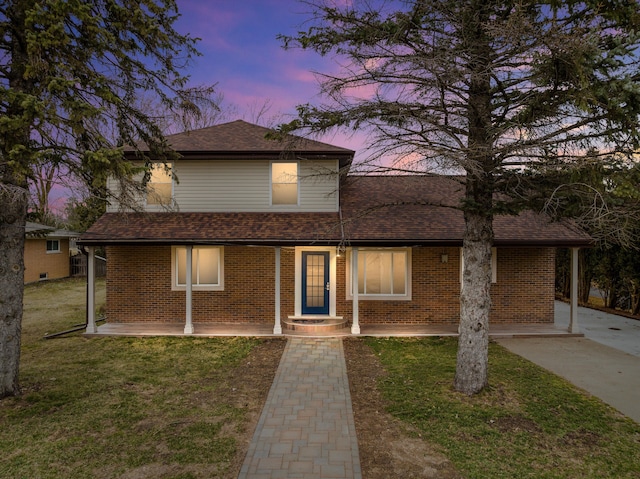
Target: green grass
[[528, 423], [105, 407]]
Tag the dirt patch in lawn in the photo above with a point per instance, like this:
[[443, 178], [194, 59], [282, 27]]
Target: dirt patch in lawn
[[387, 447], [247, 387]]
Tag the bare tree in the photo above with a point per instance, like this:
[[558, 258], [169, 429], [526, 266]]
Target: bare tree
[[487, 87]]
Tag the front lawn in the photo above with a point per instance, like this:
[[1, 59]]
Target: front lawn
[[128, 407], [529, 423]]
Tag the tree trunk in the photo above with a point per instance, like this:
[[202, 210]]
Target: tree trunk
[[475, 297], [585, 275], [563, 272], [475, 306], [634, 292], [12, 229], [611, 298], [14, 196]]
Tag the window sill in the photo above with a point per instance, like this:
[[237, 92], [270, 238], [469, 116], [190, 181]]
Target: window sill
[[197, 288], [365, 297]]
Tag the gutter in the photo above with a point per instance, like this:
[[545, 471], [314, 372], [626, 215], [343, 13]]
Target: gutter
[[405, 242]]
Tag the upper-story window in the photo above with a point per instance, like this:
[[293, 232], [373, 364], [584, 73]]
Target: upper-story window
[[284, 183], [160, 185]]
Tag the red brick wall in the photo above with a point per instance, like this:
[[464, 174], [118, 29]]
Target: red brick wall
[[525, 290], [139, 288]]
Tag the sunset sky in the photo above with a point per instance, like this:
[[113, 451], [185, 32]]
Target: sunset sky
[[243, 57]]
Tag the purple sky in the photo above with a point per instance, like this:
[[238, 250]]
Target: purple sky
[[242, 55]]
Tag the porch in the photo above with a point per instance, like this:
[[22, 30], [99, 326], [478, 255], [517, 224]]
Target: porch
[[374, 330], [279, 326]]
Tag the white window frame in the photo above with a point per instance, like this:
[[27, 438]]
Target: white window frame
[[53, 251], [150, 184], [271, 183], [494, 265], [380, 297], [175, 286]]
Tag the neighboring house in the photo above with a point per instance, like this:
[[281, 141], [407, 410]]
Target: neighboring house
[[46, 252], [281, 234]]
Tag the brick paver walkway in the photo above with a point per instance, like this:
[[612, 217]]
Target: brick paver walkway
[[306, 428]]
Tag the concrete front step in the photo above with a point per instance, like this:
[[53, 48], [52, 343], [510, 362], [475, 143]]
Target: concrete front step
[[315, 324]]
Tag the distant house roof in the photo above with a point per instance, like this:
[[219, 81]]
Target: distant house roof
[[240, 138], [36, 230], [375, 210]]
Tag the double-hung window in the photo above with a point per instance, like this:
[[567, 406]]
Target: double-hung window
[[284, 183], [53, 246], [160, 185], [207, 268], [382, 274]]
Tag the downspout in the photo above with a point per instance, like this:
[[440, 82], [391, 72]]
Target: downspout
[[78, 327], [341, 245]]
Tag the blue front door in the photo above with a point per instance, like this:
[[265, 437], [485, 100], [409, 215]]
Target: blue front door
[[315, 283]]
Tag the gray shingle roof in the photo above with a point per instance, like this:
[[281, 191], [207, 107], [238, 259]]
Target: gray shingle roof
[[36, 230]]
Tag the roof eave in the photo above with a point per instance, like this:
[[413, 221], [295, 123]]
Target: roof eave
[[330, 242]]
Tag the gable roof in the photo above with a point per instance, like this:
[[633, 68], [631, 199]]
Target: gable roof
[[375, 210], [240, 138]]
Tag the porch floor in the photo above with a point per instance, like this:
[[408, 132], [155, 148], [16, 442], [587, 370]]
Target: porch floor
[[379, 330]]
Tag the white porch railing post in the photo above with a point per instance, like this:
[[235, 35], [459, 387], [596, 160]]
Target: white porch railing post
[[277, 327], [355, 327], [574, 328], [188, 327], [91, 290]]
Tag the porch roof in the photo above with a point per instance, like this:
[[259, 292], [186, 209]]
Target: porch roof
[[383, 211]]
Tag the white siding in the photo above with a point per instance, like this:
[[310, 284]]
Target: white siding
[[114, 206], [319, 185], [245, 186]]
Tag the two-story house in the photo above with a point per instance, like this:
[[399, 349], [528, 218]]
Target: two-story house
[[256, 231]]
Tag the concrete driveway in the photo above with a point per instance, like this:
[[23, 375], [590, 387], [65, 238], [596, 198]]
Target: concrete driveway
[[608, 329], [606, 362]]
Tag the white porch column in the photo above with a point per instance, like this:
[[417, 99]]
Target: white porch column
[[91, 290], [277, 327], [355, 327], [188, 327], [573, 318]]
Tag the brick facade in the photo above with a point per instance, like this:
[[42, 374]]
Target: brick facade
[[139, 288]]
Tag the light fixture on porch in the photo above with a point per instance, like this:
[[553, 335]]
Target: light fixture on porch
[[444, 258], [340, 250]]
